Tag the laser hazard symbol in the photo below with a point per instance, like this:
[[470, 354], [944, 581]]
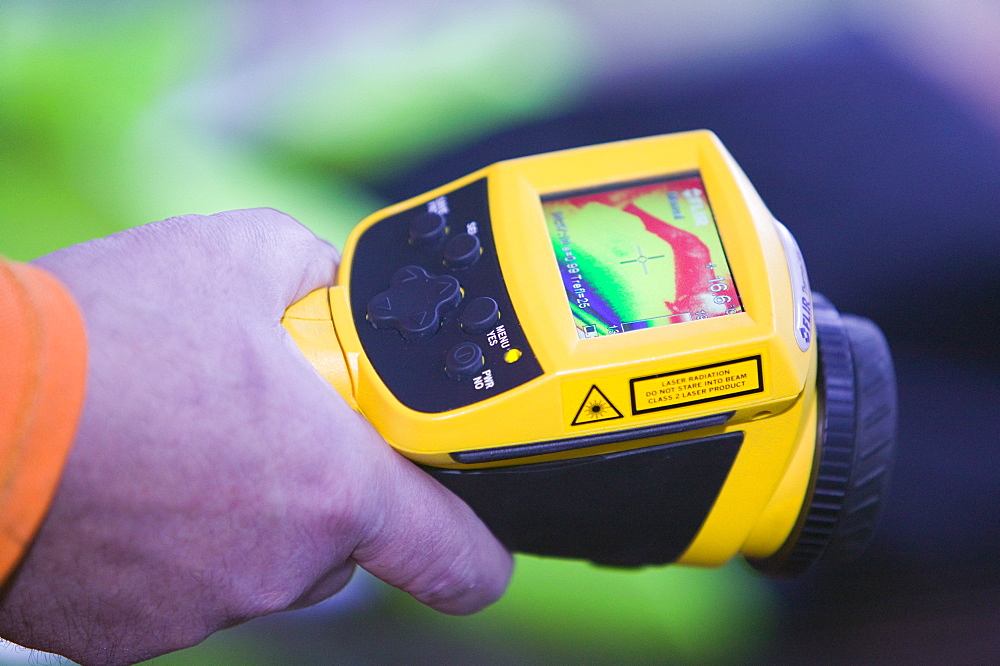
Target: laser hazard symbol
[[596, 407]]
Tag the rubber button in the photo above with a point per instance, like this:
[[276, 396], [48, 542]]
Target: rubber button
[[464, 360], [461, 251], [480, 315], [415, 302], [426, 229]]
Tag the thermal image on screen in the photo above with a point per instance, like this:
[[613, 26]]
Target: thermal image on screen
[[640, 255]]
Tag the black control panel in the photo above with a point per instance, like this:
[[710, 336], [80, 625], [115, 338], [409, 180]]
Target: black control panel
[[431, 307]]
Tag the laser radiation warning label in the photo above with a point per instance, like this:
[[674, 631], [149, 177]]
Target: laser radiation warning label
[[596, 407], [696, 385]]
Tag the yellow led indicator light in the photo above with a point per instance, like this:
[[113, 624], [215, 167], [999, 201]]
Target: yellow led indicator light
[[512, 355]]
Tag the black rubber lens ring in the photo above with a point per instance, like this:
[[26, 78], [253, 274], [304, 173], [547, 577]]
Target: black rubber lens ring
[[856, 441]]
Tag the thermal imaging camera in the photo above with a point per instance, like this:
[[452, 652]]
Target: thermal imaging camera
[[613, 353]]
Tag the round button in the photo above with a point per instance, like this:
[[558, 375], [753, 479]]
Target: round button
[[461, 251], [463, 360], [480, 315], [427, 228]]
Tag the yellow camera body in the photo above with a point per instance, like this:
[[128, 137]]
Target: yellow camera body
[[611, 353]]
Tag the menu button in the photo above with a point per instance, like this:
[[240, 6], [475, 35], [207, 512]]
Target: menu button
[[480, 315]]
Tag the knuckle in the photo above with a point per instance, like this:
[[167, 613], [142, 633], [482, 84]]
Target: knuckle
[[450, 584]]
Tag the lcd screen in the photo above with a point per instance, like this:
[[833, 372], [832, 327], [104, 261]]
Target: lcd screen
[[640, 255]]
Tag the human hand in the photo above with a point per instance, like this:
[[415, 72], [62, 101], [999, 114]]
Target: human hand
[[215, 477]]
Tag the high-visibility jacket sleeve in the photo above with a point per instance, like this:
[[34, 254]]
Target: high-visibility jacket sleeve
[[42, 379]]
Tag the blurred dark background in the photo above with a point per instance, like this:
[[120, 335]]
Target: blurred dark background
[[872, 130]]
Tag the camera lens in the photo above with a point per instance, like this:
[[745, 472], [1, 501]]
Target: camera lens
[[855, 442]]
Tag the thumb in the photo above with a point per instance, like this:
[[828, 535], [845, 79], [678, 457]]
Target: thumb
[[426, 541]]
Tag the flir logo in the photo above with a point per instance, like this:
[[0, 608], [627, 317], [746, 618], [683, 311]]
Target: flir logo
[[805, 324], [801, 294]]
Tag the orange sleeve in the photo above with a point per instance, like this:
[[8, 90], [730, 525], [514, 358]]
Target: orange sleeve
[[42, 378]]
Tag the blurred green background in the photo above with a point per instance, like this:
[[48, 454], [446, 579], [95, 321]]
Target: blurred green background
[[115, 114]]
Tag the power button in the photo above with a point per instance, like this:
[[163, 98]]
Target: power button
[[464, 360]]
